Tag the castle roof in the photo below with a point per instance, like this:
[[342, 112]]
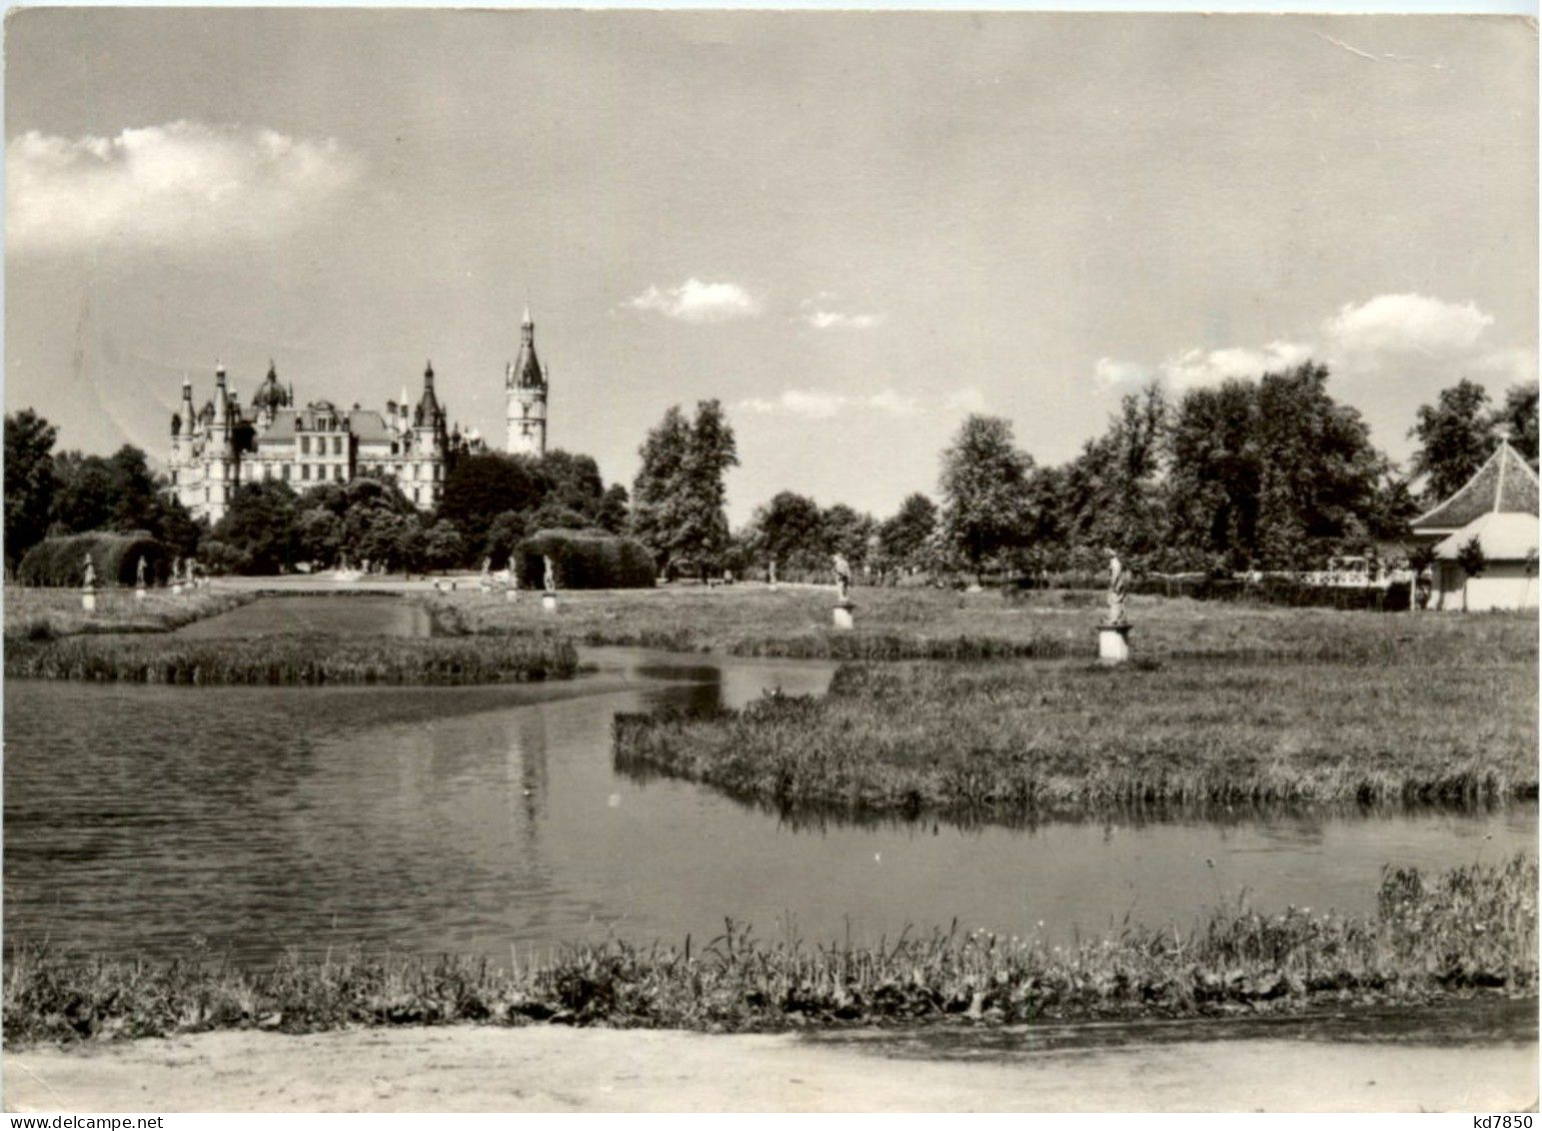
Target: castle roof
[[428, 411], [270, 394], [366, 425], [526, 372], [1505, 484]]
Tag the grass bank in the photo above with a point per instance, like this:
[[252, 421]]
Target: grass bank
[[292, 659], [1013, 742], [910, 624], [47, 614], [1471, 930]]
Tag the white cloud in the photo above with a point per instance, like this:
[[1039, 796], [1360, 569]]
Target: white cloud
[[167, 186], [1114, 374], [894, 403], [834, 320], [696, 301], [1405, 323], [1199, 368], [968, 399], [820, 404]]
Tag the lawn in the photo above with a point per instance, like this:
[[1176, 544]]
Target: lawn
[[44, 614], [753, 620]]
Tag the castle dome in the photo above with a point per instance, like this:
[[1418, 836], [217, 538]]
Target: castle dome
[[270, 395]]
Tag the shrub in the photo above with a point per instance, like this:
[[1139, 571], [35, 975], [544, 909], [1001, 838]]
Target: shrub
[[60, 561], [585, 559]]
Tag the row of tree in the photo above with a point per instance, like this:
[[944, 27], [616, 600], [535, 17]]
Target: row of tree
[[1266, 474], [1272, 474]]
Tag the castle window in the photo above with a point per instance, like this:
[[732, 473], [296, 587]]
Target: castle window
[[286, 473], [337, 445], [305, 445], [337, 473], [417, 495], [305, 471]]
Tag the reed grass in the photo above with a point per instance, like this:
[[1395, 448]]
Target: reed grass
[[1466, 932], [895, 624], [47, 614], [1015, 742], [293, 659]]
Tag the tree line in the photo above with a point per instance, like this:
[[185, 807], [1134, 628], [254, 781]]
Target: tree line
[[1267, 474]]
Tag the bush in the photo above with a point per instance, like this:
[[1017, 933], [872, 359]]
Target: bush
[[60, 562], [585, 559]]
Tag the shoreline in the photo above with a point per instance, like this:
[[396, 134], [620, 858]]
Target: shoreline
[[549, 1068]]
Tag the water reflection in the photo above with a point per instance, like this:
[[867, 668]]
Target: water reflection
[[473, 819]]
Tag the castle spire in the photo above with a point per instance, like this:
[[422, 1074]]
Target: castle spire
[[525, 384]]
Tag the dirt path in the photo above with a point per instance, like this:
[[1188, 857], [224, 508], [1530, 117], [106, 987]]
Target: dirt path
[[556, 1069]]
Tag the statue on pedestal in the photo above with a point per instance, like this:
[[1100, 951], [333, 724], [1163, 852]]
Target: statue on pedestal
[[139, 573], [1118, 589], [90, 576], [842, 576], [551, 574]]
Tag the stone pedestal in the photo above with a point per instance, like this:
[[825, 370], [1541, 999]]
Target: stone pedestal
[[140, 594], [511, 595], [88, 600], [176, 589], [548, 602], [843, 616], [1113, 644]]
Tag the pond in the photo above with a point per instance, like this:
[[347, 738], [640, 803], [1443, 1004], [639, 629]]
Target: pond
[[473, 820]]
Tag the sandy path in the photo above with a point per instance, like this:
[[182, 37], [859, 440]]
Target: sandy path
[[556, 1069]]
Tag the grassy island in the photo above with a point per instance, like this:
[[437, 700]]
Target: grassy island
[[1472, 931], [293, 659], [1010, 742]]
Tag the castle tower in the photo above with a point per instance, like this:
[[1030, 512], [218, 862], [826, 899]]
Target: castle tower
[[525, 383], [222, 472]]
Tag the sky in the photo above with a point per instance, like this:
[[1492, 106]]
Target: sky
[[853, 229]]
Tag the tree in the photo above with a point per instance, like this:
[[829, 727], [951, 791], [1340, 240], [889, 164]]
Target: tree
[[984, 490], [1518, 417], [658, 499], [678, 496], [481, 487], [502, 536], [1111, 494], [1455, 436], [83, 492], [615, 509], [849, 533], [443, 545], [1318, 470], [790, 531], [318, 535], [1469, 555], [29, 481], [1213, 482], [1273, 474], [572, 481], [902, 539], [257, 533]]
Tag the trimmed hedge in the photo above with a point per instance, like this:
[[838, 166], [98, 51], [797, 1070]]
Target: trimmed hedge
[[585, 559], [60, 562]]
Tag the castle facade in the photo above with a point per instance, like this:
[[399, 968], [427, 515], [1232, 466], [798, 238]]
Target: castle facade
[[218, 447]]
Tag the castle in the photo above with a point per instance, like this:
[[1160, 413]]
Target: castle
[[216, 448]]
